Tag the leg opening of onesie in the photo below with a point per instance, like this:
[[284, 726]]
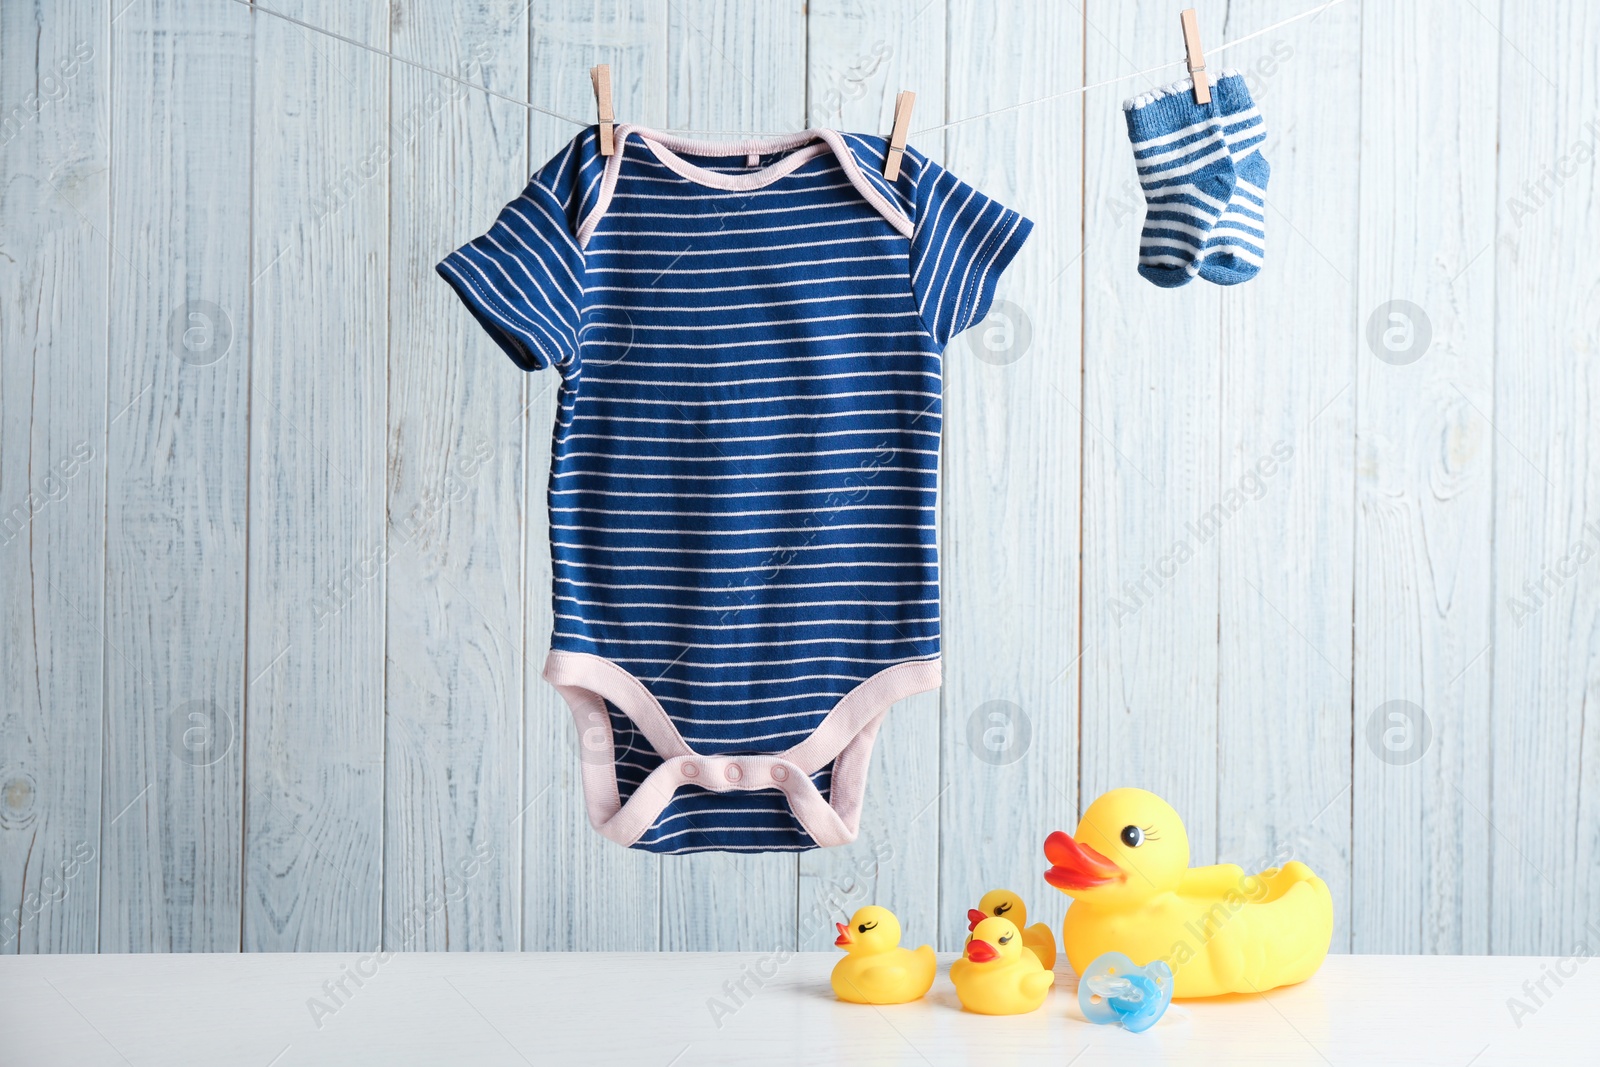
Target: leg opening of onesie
[[645, 787]]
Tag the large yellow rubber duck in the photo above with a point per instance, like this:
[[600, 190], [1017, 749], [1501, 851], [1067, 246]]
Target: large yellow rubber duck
[[1038, 939], [1219, 929], [995, 976], [875, 969]]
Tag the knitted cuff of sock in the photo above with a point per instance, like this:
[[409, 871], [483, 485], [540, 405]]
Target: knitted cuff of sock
[[1170, 108], [1231, 94]]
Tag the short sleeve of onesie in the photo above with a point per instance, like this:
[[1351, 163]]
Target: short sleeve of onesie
[[744, 463], [962, 244], [523, 280]]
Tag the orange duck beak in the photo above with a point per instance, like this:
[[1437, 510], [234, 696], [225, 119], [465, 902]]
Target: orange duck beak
[[981, 951], [844, 935], [1075, 866], [974, 917]]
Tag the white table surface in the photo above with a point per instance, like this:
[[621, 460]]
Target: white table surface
[[654, 1009]]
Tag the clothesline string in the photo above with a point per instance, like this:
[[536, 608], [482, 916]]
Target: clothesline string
[[409, 62], [1135, 74], [528, 104]]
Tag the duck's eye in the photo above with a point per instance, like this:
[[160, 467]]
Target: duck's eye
[[1132, 836], [864, 927], [1001, 909], [1005, 939]]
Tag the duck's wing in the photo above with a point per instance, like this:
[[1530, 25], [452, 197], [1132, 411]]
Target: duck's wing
[[1293, 895], [877, 982], [1035, 983], [884, 974], [1281, 940], [1041, 941], [1296, 924], [1215, 882], [1280, 881]]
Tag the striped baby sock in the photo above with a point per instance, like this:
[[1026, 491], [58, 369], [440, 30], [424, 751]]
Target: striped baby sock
[[1238, 243], [1187, 176]]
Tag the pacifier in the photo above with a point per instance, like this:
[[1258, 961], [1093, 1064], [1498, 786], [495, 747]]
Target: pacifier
[[1114, 989]]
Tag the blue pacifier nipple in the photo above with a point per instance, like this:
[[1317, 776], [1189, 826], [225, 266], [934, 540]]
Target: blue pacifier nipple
[[1116, 990]]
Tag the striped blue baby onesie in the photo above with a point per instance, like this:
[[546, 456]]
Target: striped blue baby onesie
[[744, 463]]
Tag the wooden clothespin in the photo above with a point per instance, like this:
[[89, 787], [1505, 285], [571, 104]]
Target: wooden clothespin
[[601, 77], [1196, 58], [897, 137]]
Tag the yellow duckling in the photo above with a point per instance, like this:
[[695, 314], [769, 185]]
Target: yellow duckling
[[994, 976], [1038, 939], [875, 970], [1219, 929]]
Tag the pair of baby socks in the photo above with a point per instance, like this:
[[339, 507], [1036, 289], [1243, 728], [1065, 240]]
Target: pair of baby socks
[[1204, 181]]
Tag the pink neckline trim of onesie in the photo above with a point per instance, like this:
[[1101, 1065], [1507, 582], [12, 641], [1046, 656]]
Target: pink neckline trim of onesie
[[844, 738], [670, 150], [661, 145]]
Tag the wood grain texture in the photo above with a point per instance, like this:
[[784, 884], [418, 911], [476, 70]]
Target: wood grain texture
[[54, 211], [733, 66], [177, 476], [581, 890], [1425, 449], [736, 65], [1013, 396], [858, 59], [1287, 397], [1151, 468], [1546, 763], [319, 551], [454, 685]]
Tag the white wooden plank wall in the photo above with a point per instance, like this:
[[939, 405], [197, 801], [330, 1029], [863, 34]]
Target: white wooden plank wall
[[55, 207], [1545, 751], [179, 422], [1426, 458], [456, 431], [315, 708], [1317, 557]]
